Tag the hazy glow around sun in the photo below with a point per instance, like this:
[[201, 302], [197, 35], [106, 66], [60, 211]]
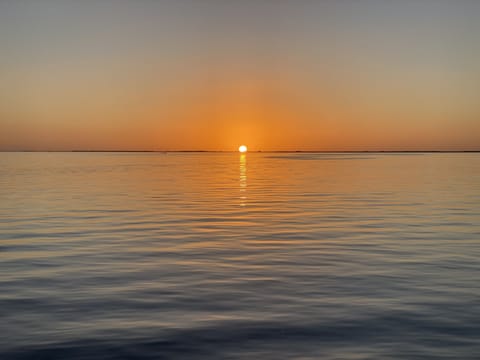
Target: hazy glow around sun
[[242, 148]]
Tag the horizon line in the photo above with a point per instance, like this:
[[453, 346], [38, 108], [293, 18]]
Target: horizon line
[[250, 151]]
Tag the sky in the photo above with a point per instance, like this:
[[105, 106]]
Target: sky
[[347, 75]]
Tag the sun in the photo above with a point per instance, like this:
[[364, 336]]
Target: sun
[[242, 148]]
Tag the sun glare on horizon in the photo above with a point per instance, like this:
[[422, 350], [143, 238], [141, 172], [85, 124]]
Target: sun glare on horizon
[[242, 148]]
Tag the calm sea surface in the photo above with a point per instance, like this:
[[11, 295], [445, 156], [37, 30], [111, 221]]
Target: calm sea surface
[[227, 256]]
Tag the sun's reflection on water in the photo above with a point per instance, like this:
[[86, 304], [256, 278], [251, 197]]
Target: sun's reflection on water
[[243, 179]]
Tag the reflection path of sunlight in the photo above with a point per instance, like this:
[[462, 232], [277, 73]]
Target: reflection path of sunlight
[[243, 179]]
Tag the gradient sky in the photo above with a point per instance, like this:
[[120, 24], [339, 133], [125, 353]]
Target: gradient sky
[[211, 74]]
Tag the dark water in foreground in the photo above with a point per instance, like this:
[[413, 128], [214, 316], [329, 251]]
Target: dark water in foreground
[[222, 256]]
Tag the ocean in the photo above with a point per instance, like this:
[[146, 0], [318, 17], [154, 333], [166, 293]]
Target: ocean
[[230, 256]]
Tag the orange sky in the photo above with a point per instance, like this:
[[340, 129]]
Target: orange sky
[[275, 75]]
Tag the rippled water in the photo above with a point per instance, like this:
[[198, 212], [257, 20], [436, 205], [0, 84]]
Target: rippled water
[[228, 256]]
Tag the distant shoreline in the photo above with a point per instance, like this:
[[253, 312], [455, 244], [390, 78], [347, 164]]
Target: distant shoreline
[[251, 151]]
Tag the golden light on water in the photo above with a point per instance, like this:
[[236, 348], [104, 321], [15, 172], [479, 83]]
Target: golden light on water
[[242, 148], [243, 179]]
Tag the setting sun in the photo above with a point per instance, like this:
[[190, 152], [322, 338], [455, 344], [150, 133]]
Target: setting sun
[[242, 148]]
